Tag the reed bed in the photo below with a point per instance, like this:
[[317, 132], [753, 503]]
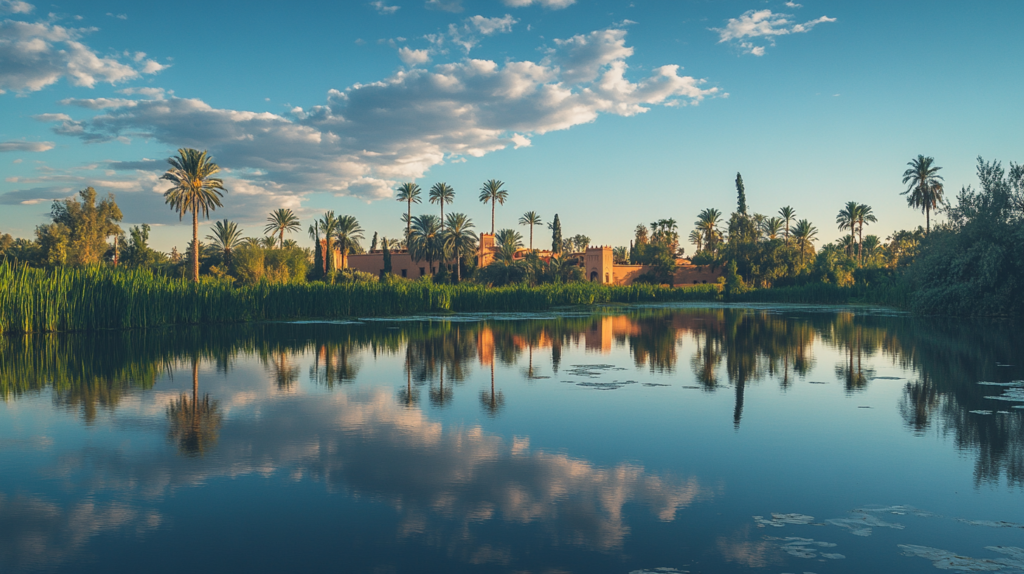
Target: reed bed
[[98, 298]]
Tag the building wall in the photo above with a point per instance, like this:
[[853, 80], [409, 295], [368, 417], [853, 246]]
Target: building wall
[[401, 264], [600, 266]]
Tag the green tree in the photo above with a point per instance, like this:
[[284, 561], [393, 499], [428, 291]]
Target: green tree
[[195, 189], [788, 215], [492, 193], [348, 233], [54, 243], [556, 235], [530, 218], [387, 256], [707, 223], [280, 221], [924, 187], [87, 225], [741, 195], [697, 239], [373, 242], [804, 234], [864, 215], [318, 253], [328, 226], [771, 227], [846, 219], [459, 239], [442, 193], [409, 193], [425, 240], [225, 237]]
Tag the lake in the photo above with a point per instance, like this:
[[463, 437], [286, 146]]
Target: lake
[[621, 439]]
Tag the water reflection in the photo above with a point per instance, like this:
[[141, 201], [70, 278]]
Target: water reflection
[[452, 485]]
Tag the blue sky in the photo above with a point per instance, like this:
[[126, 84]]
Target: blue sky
[[609, 113]]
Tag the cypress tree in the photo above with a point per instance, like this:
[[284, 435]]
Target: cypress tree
[[556, 235], [387, 257], [741, 194], [373, 243]]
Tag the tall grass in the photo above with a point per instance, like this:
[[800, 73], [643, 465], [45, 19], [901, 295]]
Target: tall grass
[[895, 294], [94, 298]]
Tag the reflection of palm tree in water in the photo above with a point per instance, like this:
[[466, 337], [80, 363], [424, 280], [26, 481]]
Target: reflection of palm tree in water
[[441, 396], [407, 397], [492, 402], [854, 377], [705, 360], [194, 424], [336, 367], [284, 373], [919, 401]]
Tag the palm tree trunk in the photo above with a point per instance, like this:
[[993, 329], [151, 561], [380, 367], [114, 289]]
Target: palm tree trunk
[[492, 217], [282, 239], [458, 265], [531, 237], [860, 244], [408, 223], [195, 247], [927, 220]]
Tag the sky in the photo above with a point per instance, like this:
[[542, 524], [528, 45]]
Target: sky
[[609, 113]]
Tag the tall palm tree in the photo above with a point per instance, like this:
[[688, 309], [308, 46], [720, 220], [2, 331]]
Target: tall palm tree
[[492, 192], [314, 234], [804, 233], [707, 222], [425, 239], [226, 236], [281, 220], [788, 214], [530, 218], [458, 239], [348, 233], [195, 189], [864, 215], [847, 219], [924, 189], [328, 225], [409, 193], [772, 226], [442, 193]]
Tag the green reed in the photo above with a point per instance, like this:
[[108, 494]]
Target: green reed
[[94, 298]]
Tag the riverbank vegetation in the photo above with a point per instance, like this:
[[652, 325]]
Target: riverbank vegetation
[[73, 276]]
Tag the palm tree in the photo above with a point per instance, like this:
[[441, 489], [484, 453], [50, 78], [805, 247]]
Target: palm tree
[[409, 193], [510, 237], [696, 238], [492, 192], [458, 239], [530, 218], [772, 226], [348, 233], [442, 193], [847, 219], [195, 189], [226, 236], [788, 214], [864, 214], [425, 240], [804, 233], [707, 223], [328, 225], [314, 234], [924, 189], [281, 220]]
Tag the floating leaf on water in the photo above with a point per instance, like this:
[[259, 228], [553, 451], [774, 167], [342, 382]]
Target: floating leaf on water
[[779, 520], [946, 560], [991, 523], [898, 509], [1010, 384], [656, 385], [980, 412], [863, 407], [818, 382], [660, 570], [690, 387], [803, 547], [833, 556], [862, 523], [888, 378]]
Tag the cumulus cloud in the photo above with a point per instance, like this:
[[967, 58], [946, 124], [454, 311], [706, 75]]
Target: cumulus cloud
[[445, 5], [488, 26], [26, 146], [36, 55], [365, 139], [549, 4], [383, 8], [15, 7], [413, 57], [763, 24]]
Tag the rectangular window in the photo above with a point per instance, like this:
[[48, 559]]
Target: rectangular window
[[422, 272], [433, 269], [405, 272]]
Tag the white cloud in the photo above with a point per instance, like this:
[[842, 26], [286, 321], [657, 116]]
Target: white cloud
[[26, 146], [794, 5], [488, 26], [445, 5], [383, 8], [15, 7], [118, 16], [36, 55], [762, 24], [413, 57], [549, 4], [366, 138]]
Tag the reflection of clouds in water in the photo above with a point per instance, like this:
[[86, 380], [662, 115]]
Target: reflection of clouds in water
[[369, 445], [38, 534]]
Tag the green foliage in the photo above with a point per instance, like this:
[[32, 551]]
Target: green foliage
[[387, 257], [733, 281], [741, 195], [556, 235], [84, 228], [138, 253], [252, 265], [973, 265]]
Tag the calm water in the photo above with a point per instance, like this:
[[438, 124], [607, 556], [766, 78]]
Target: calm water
[[618, 440]]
